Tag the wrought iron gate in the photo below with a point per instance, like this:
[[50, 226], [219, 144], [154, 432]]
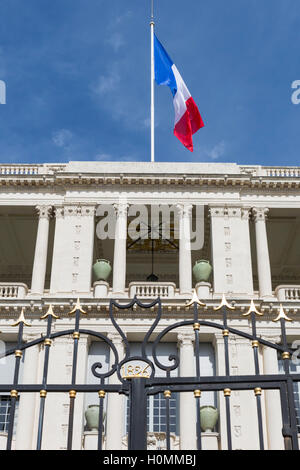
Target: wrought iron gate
[[140, 381]]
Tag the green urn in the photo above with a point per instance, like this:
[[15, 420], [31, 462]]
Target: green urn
[[92, 417], [202, 270], [208, 418], [102, 269]]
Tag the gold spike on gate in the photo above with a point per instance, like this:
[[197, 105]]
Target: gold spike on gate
[[21, 319], [224, 303], [49, 312], [252, 309], [282, 315], [195, 299], [77, 307]]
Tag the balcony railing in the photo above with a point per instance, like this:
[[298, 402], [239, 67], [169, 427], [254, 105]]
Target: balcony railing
[[152, 289], [13, 290], [287, 292]]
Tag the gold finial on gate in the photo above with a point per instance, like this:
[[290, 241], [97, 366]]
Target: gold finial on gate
[[224, 303], [282, 315], [21, 319], [252, 309], [195, 299], [77, 307], [49, 312]]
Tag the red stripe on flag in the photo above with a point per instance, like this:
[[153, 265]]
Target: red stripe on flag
[[189, 123], [183, 131], [194, 115]]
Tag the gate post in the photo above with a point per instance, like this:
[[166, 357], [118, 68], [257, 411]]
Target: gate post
[[137, 439]]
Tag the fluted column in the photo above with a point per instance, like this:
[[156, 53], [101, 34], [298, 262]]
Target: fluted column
[[185, 255], [119, 267], [25, 437], [115, 402], [41, 251], [272, 398], [262, 250], [187, 410]]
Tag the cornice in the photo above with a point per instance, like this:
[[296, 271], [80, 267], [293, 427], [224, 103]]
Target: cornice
[[243, 180]]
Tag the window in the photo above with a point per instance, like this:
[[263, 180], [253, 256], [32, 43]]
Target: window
[[294, 368], [4, 412], [7, 367]]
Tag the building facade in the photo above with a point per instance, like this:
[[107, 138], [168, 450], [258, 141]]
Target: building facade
[[151, 223]]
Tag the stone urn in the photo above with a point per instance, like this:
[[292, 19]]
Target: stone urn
[[202, 270], [102, 269], [92, 417], [208, 418]]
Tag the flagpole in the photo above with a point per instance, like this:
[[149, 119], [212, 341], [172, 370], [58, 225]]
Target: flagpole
[[152, 82]]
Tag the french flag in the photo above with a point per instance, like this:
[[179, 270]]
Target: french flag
[[187, 117]]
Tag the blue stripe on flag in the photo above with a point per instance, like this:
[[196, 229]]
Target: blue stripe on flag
[[163, 67]]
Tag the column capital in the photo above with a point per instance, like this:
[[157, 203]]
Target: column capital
[[260, 213], [121, 209], [28, 337], [44, 211], [276, 339], [245, 213], [185, 339], [184, 209], [115, 338], [59, 212]]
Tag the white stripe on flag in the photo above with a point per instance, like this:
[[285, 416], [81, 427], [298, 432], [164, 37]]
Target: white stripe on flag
[[181, 96]]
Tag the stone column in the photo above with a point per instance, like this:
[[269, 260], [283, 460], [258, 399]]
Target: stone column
[[25, 436], [262, 251], [272, 398], [119, 266], [115, 402], [185, 255], [187, 412], [41, 250]]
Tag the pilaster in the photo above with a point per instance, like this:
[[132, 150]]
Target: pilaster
[[188, 435], [231, 251], [115, 403], [28, 404], [73, 250]]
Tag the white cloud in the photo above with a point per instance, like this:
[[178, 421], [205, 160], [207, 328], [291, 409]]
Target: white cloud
[[217, 151], [105, 157], [62, 137], [116, 41], [107, 83]]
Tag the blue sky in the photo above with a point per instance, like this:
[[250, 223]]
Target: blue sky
[[77, 74]]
